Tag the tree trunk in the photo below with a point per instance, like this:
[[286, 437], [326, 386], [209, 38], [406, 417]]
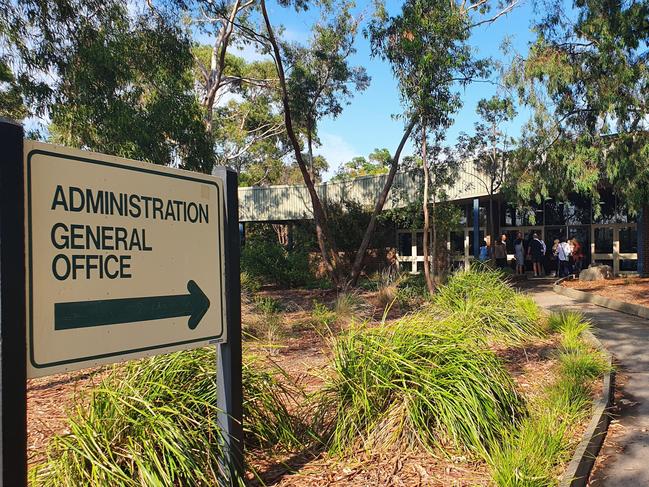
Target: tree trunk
[[429, 280], [329, 257], [357, 267], [309, 138]]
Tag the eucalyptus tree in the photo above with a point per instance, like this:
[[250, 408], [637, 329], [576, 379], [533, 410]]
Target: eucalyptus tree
[[586, 81], [440, 169], [315, 81], [427, 47], [124, 87], [490, 148], [377, 162]]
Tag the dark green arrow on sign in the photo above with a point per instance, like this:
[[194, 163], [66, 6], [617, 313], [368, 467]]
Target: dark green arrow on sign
[[84, 314]]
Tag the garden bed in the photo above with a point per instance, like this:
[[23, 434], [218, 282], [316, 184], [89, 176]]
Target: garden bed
[[311, 359], [634, 290]]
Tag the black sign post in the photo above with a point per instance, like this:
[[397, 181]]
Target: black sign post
[[229, 364], [13, 438]]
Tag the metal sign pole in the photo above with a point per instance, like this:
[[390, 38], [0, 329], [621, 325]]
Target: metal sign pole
[[230, 394], [13, 437]]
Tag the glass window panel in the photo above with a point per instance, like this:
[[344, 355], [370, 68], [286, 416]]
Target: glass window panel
[[577, 211], [629, 265], [603, 240], [420, 267], [405, 244], [420, 243], [482, 212], [457, 242], [554, 213], [607, 262], [481, 238], [628, 240]]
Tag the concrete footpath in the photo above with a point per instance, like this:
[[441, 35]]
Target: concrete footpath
[[626, 450]]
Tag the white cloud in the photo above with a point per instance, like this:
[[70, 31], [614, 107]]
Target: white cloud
[[336, 150]]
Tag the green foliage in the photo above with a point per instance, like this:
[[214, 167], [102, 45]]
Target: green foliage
[[411, 291], [541, 441], [585, 82], [249, 284], [268, 423], [426, 45], [269, 261], [320, 80], [11, 102], [145, 108], [378, 162], [268, 304], [415, 382], [154, 422], [322, 316], [490, 304]]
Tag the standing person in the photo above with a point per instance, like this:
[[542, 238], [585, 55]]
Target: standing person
[[500, 252], [484, 252], [577, 255], [519, 252], [564, 258], [536, 250], [555, 256]]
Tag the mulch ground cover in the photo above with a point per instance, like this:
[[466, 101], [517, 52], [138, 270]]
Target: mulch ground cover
[[303, 353], [629, 289]]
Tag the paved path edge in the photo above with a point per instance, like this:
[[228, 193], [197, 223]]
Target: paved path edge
[[579, 468], [614, 304]]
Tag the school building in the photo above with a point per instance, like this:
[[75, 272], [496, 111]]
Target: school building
[[609, 236]]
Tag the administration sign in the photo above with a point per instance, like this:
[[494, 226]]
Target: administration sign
[[124, 259]]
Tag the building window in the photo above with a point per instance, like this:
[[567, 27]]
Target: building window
[[405, 244], [603, 240], [628, 240]]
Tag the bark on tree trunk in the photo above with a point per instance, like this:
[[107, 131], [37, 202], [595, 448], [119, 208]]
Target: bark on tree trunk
[[309, 137], [357, 267], [429, 280], [329, 257]]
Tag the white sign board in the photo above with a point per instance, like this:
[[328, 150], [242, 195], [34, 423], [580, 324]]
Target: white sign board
[[124, 259]]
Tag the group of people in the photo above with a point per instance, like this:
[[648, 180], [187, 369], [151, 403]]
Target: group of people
[[567, 255]]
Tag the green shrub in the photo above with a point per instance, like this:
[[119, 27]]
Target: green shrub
[[268, 305], [570, 324], [541, 442], [491, 305], [347, 304], [249, 284], [416, 383], [322, 316], [270, 262], [154, 422]]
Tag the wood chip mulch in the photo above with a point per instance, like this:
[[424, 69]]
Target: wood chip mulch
[[629, 289]]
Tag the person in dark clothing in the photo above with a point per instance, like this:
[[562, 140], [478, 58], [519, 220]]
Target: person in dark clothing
[[500, 252], [537, 252]]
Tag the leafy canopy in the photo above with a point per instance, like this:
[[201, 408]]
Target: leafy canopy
[[586, 80]]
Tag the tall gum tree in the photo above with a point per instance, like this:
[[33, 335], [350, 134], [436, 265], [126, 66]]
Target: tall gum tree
[[314, 83], [427, 47]]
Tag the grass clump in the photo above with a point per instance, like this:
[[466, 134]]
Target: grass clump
[[154, 422], [415, 383], [488, 302], [542, 441]]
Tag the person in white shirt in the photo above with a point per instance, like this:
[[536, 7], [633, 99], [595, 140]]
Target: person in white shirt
[[564, 251]]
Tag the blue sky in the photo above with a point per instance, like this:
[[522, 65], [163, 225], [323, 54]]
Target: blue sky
[[367, 123]]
